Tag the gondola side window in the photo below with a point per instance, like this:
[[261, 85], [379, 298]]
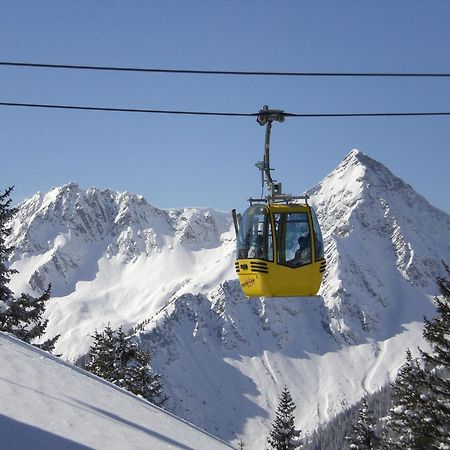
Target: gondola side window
[[318, 240], [293, 239], [255, 239]]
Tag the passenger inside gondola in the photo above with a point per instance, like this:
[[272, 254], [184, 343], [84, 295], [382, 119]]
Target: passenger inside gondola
[[303, 253], [256, 249]]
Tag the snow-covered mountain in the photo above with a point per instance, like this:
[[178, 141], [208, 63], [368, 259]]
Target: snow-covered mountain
[[383, 240], [112, 258], [169, 274], [51, 405]]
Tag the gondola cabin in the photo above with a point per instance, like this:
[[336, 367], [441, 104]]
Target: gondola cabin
[[280, 251], [279, 244]]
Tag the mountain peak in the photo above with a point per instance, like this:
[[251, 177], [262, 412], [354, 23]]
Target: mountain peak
[[365, 209], [360, 157], [354, 153], [369, 167], [64, 190], [359, 176], [374, 176]]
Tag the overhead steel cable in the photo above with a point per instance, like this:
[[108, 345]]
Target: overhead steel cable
[[225, 72], [215, 113], [126, 110]]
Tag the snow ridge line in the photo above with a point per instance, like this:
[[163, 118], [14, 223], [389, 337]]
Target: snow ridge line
[[140, 326]]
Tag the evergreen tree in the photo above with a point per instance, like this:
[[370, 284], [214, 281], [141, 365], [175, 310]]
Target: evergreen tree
[[6, 214], [142, 381], [125, 351], [437, 366], [364, 435], [333, 435], [102, 356], [410, 419], [420, 416], [284, 436], [20, 316], [118, 359]]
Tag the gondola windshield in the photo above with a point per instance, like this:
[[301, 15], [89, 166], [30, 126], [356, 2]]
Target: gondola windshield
[[255, 235]]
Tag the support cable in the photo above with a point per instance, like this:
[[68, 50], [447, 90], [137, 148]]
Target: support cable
[[214, 113], [225, 72]]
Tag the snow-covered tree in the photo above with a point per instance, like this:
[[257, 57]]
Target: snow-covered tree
[[21, 316], [142, 381], [437, 366], [410, 419], [102, 355], [420, 415], [6, 214], [364, 432], [284, 436], [118, 359]]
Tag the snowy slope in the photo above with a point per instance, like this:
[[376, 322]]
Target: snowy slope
[[113, 258], [46, 404]]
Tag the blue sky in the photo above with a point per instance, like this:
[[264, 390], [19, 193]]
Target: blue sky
[[179, 161]]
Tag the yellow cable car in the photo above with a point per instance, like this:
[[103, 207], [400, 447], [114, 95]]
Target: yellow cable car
[[280, 249]]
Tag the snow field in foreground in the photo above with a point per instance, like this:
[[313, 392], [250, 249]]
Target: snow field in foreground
[[48, 404]]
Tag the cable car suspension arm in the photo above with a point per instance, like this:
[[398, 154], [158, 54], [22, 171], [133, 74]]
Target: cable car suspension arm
[[265, 118]]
